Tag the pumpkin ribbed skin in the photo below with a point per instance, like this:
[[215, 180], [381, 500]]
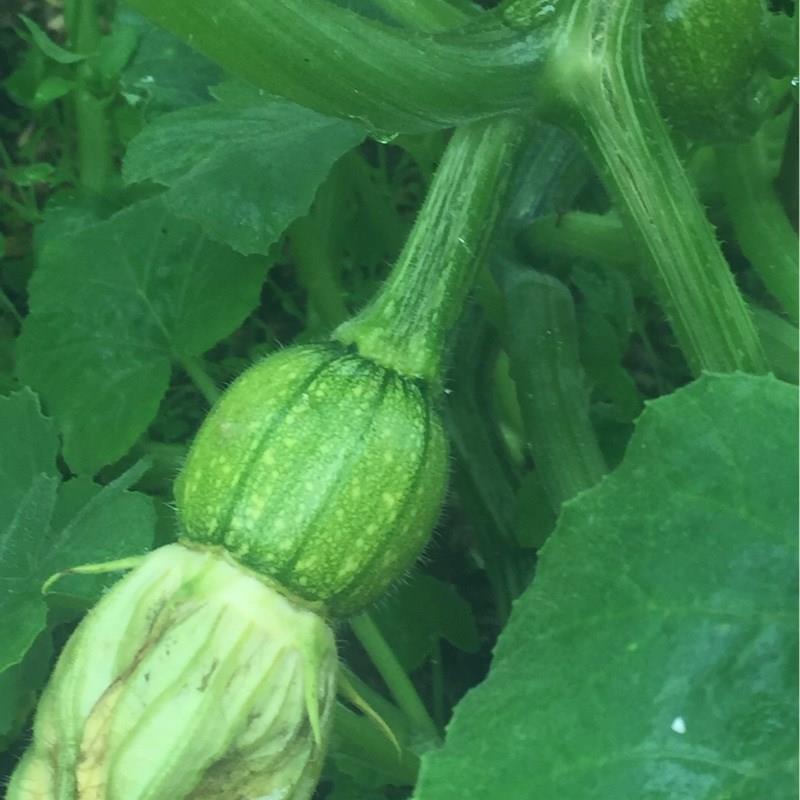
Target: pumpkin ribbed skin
[[320, 470]]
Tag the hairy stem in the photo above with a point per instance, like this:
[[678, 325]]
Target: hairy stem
[[406, 326], [598, 71]]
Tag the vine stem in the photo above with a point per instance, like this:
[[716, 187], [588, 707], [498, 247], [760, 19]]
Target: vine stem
[[93, 130], [763, 230], [200, 378], [393, 674], [406, 325], [328, 57], [550, 383], [312, 241], [597, 69], [581, 235]]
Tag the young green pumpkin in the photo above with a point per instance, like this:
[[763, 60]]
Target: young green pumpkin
[[320, 470]]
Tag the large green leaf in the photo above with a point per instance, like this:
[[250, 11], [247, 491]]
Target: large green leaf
[[243, 167], [654, 657], [46, 527], [112, 306]]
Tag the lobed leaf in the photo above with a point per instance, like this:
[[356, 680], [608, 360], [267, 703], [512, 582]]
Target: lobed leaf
[[46, 527], [112, 307], [244, 167], [655, 654]]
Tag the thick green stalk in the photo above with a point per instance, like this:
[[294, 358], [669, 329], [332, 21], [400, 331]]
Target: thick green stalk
[[763, 230], [552, 170], [338, 62], [597, 71], [571, 237], [93, 130], [406, 326], [580, 235], [542, 341]]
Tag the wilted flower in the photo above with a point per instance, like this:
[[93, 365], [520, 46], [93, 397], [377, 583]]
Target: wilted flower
[[191, 679]]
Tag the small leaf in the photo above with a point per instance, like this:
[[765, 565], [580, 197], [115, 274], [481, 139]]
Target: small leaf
[[46, 527], [28, 448], [242, 168], [95, 526], [601, 357], [115, 51], [420, 613], [48, 46], [112, 307], [655, 655], [51, 89], [31, 174]]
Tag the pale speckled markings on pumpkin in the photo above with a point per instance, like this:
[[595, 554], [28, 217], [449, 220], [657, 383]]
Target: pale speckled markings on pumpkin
[[397, 543], [269, 427], [305, 559], [340, 584], [321, 443], [201, 488]]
